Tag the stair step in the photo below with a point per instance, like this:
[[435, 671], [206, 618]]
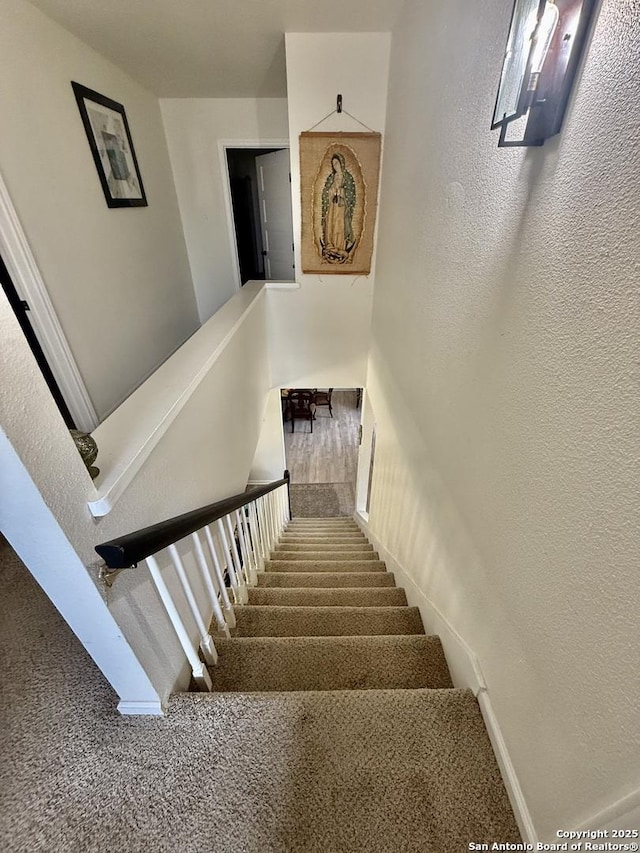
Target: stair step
[[295, 527], [342, 538], [329, 547], [329, 663], [307, 565], [401, 771], [334, 519], [336, 621], [273, 579], [316, 556], [319, 597]]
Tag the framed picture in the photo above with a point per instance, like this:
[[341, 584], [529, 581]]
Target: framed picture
[[339, 195], [547, 39], [107, 129]]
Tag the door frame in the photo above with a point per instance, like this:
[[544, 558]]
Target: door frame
[[223, 144], [27, 280]]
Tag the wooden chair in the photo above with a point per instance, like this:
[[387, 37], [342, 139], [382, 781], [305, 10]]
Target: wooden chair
[[323, 398], [302, 405]]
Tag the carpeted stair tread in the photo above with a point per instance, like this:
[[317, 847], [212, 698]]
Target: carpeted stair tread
[[323, 537], [373, 771], [340, 527], [324, 555], [274, 579], [323, 531], [329, 663], [318, 597], [326, 519], [292, 621], [330, 565], [320, 541], [328, 547]]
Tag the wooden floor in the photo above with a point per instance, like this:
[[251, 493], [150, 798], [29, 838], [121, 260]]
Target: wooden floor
[[330, 454]]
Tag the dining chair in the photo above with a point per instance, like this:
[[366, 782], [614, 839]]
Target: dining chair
[[302, 405], [323, 398]]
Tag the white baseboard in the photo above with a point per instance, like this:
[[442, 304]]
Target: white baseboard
[[129, 707], [514, 791], [465, 672]]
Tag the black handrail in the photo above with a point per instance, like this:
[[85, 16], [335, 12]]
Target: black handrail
[[126, 551]]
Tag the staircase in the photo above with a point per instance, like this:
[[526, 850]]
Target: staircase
[[370, 746]]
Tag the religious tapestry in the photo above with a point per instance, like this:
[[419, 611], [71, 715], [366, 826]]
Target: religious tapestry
[[339, 196]]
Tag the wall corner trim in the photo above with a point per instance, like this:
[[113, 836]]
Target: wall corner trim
[[28, 280], [283, 285], [466, 672], [621, 814], [133, 707]]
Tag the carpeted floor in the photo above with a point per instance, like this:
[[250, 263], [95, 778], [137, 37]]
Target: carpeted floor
[[322, 500], [342, 771]]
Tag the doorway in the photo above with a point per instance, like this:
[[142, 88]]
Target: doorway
[[323, 461], [21, 310], [260, 190]]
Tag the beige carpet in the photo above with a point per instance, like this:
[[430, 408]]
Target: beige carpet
[[336, 771], [319, 500]]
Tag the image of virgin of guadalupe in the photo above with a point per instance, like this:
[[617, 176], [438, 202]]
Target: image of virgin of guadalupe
[[339, 199]]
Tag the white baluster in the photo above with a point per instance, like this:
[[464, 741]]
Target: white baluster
[[272, 517], [264, 527], [243, 559], [213, 594], [272, 528], [245, 544], [236, 584], [256, 536], [230, 616], [206, 643], [198, 668], [282, 513], [287, 505], [236, 559], [252, 539]]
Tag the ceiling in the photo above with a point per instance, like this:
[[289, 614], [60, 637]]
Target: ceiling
[[210, 48]]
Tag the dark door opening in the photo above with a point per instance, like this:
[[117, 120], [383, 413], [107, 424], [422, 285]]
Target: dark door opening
[[259, 179], [21, 310]]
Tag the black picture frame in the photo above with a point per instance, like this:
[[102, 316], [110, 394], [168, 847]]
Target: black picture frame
[[105, 123], [539, 96]]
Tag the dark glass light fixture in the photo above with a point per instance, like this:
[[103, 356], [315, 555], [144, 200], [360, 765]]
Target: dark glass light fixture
[[545, 43]]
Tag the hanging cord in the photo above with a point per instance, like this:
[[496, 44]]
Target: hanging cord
[[359, 275], [346, 112]]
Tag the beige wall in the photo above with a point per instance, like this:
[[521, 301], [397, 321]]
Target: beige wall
[[118, 278], [195, 128], [504, 382], [320, 333]]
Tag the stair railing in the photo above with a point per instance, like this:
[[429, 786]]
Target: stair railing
[[223, 546]]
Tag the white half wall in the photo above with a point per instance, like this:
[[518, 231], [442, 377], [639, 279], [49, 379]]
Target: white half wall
[[270, 459], [503, 381], [194, 129], [118, 279], [320, 333], [203, 455]]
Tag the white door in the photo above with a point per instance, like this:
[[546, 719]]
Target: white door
[[274, 191]]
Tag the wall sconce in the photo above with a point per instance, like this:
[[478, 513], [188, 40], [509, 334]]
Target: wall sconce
[[546, 40]]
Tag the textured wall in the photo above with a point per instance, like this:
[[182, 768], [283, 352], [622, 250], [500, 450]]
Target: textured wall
[[118, 278], [194, 128], [504, 382]]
